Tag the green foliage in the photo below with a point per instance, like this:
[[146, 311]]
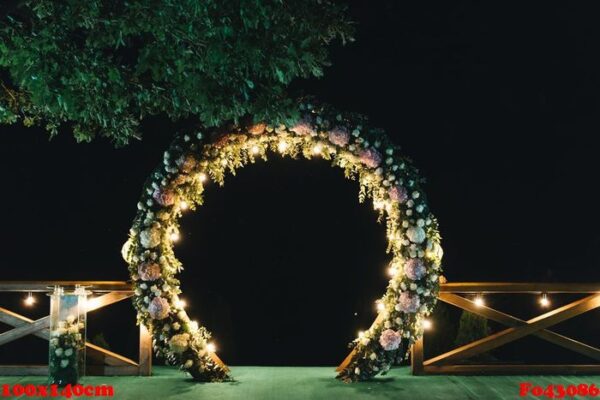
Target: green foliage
[[471, 328], [100, 340], [102, 66]]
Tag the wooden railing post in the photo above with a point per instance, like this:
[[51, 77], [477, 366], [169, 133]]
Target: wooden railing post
[[416, 357], [145, 363]]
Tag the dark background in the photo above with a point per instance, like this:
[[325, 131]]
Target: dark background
[[496, 103]]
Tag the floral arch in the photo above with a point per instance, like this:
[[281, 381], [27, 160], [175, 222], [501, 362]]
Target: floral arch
[[365, 154]]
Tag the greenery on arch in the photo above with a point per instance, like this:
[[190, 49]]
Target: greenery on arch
[[102, 66], [365, 154]]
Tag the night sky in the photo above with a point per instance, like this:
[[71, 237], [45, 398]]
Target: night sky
[[496, 104]]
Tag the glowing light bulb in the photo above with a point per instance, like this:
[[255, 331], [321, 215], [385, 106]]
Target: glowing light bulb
[[544, 301], [317, 148], [211, 347], [174, 236], [183, 205], [379, 205], [29, 300], [282, 146], [255, 149], [479, 302], [194, 325], [392, 271], [427, 324], [202, 177], [380, 306], [361, 334], [181, 304]]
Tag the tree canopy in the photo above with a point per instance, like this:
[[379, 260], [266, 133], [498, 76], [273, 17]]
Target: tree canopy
[[100, 67]]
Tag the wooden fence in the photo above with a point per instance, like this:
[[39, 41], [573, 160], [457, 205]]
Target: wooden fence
[[103, 361], [460, 295]]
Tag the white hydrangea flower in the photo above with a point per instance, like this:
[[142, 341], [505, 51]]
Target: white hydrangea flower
[[64, 363], [69, 352], [150, 238], [357, 371], [373, 356], [416, 234], [58, 352]]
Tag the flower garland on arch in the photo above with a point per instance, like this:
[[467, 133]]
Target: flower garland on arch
[[365, 154]]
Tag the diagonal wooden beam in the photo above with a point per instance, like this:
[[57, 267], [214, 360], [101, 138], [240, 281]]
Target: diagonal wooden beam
[[15, 320], [24, 330], [350, 356], [511, 321], [106, 300], [44, 322], [508, 335], [23, 324], [96, 353]]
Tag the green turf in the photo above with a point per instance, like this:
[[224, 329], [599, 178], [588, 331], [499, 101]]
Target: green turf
[[291, 383]]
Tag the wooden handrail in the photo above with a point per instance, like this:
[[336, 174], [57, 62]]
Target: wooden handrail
[[454, 287], [519, 287], [46, 286]]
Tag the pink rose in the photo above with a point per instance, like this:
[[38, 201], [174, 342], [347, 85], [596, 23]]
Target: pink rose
[[164, 197], [390, 339], [408, 303], [339, 136], [398, 193], [370, 157], [257, 129], [159, 308], [303, 127], [149, 271]]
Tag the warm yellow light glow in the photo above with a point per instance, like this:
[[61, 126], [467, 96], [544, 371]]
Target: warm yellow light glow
[[379, 205], [211, 347], [202, 177], [544, 300], [224, 162], [392, 271], [282, 146], [194, 325], [361, 334], [380, 306], [183, 205], [479, 302], [174, 236], [181, 303], [317, 148], [29, 300], [427, 324], [255, 149]]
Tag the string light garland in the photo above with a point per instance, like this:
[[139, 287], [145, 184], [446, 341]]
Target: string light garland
[[365, 154]]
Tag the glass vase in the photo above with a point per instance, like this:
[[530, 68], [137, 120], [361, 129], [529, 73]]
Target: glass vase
[[66, 362]]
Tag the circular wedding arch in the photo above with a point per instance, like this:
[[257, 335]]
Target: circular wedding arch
[[365, 154]]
